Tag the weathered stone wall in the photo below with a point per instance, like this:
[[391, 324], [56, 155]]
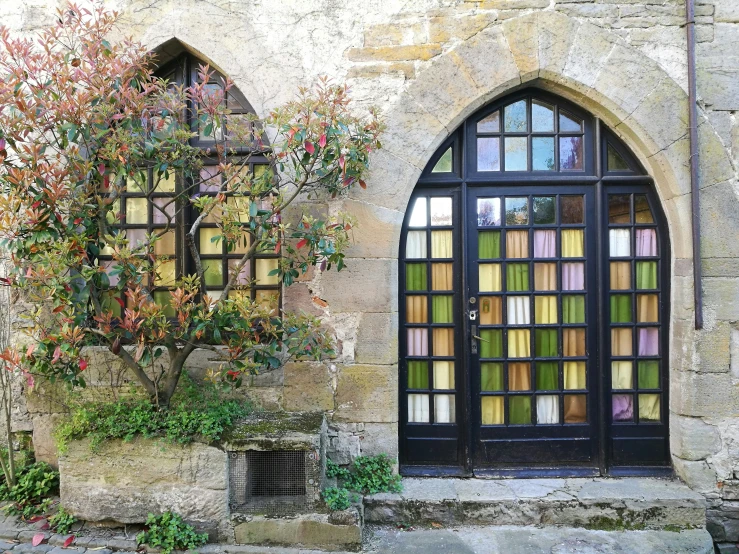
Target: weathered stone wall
[[429, 64]]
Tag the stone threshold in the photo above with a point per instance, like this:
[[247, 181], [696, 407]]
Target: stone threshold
[[593, 503]]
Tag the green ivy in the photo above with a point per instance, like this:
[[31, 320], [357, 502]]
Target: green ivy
[[169, 532], [337, 498], [61, 522], [197, 411], [366, 475], [30, 495]]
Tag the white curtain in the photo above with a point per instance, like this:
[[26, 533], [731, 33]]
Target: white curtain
[[547, 409], [444, 408], [620, 242], [418, 408], [519, 310], [416, 245]]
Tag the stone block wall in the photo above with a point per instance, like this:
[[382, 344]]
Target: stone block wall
[[428, 65]]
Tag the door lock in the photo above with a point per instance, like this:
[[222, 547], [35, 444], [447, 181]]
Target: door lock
[[473, 315]]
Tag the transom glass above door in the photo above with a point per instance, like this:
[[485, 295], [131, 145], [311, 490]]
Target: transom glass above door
[[533, 295]]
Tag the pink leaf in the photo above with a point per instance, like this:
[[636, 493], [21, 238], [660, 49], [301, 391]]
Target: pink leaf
[[83, 364], [309, 147], [2, 144], [70, 540], [45, 526], [322, 141], [341, 162], [57, 355], [38, 538], [101, 168]]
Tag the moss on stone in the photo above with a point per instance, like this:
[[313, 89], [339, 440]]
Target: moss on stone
[[274, 426]]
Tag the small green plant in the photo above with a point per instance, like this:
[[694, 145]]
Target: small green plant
[[30, 495], [372, 474], [169, 532], [335, 470], [337, 498], [61, 522], [195, 411]]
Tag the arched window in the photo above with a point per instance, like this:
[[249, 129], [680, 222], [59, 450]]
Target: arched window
[[161, 205], [534, 281]]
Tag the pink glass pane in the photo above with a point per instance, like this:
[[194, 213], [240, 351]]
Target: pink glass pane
[[646, 242], [210, 182], [135, 237], [623, 407], [244, 276], [165, 212], [648, 341], [570, 153], [418, 342], [108, 267], [573, 276], [545, 244]]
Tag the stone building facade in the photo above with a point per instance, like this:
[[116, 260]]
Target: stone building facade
[[429, 65]]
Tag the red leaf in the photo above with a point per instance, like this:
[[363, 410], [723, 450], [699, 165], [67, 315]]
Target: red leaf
[[57, 355], [101, 168], [322, 141], [34, 519], [38, 538], [70, 540], [362, 184], [83, 364], [78, 221], [309, 147], [341, 162], [302, 243], [277, 247], [57, 310], [45, 526], [120, 302]]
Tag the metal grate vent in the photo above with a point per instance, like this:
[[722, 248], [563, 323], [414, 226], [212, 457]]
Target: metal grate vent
[[273, 482]]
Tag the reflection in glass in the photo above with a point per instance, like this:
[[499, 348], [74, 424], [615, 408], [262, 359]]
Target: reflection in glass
[[641, 209], [570, 153], [571, 210], [444, 165], [515, 117], [542, 152], [615, 160], [619, 208], [569, 123], [488, 212], [542, 117], [418, 215], [544, 209], [516, 154], [441, 211], [516, 211], [489, 124], [488, 154]]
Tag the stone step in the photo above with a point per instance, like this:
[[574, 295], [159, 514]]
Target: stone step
[[599, 503]]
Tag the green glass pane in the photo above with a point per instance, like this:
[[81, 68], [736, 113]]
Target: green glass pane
[[546, 343], [488, 244], [519, 410], [491, 377], [491, 343], [213, 272], [544, 209], [444, 165], [418, 375], [517, 277], [646, 275], [441, 309], [415, 277], [110, 304], [649, 374], [573, 309], [542, 153], [616, 161], [163, 298], [621, 308], [546, 375]]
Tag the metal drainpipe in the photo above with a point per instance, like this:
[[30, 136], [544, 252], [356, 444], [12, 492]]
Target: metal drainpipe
[[694, 164]]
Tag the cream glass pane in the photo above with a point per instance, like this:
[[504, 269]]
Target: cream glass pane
[[441, 244], [649, 407], [213, 272], [572, 243], [516, 153], [573, 342], [137, 211], [267, 298], [545, 244], [519, 376], [491, 310], [418, 342], [488, 154], [621, 343], [517, 244], [545, 276], [441, 211], [489, 276], [244, 277], [443, 342], [542, 117], [162, 211], [647, 308], [545, 309], [518, 310], [489, 124], [488, 212], [443, 375], [415, 246], [441, 277], [547, 409], [165, 246], [418, 215], [575, 408], [619, 241], [620, 275], [264, 267], [416, 309], [165, 274], [444, 408], [574, 374], [418, 408], [208, 247], [492, 410], [519, 343], [622, 375], [573, 276]]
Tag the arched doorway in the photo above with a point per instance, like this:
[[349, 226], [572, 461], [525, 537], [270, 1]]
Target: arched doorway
[[534, 283]]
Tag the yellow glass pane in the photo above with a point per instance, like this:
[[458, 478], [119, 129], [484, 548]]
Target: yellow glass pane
[[240, 207], [489, 276], [491, 312], [208, 247], [268, 299], [138, 184], [443, 374], [441, 277], [647, 308], [545, 276], [242, 245], [545, 309], [573, 342], [620, 275], [165, 274], [519, 343], [574, 374], [649, 407], [519, 376], [575, 408], [441, 244], [166, 184], [621, 344], [517, 244], [137, 211], [416, 309], [165, 246], [492, 410], [264, 267], [622, 375], [572, 243], [443, 342]]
